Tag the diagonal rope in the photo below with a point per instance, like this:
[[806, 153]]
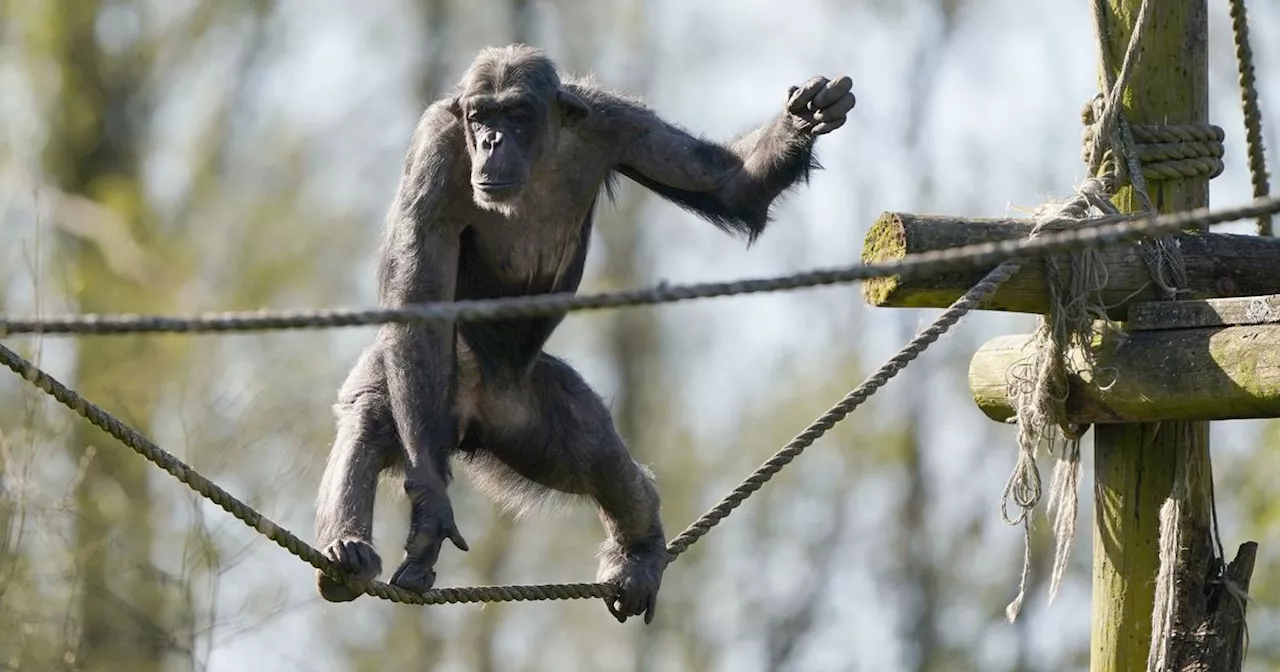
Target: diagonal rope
[[1097, 232], [965, 304], [1252, 112]]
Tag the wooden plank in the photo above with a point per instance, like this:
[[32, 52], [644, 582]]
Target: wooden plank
[[1206, 313], [1221, 373], [1218, 265]]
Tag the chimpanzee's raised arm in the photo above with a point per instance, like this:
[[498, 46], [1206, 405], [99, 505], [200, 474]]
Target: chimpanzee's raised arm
[[730, 185]]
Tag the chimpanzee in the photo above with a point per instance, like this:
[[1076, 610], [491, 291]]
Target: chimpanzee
[[497, 199]]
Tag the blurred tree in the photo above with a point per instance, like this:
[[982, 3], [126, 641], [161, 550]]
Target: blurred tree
[[97, 128]]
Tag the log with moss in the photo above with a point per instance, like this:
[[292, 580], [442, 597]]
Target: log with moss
[[1218, 265], [1217, 373]]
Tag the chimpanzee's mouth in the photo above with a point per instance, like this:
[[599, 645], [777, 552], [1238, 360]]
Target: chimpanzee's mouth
[[496, 188]]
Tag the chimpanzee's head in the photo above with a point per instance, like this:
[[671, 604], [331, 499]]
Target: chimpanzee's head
[[511, 104]]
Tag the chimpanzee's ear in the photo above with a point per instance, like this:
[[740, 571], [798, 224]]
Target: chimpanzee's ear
[[454, 106], [572, 108]]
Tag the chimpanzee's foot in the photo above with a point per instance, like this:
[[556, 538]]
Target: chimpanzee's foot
[[637, 572], [414, 575]]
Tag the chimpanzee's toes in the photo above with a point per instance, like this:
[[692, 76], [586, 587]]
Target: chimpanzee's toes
[[638, 575], [414, 575]]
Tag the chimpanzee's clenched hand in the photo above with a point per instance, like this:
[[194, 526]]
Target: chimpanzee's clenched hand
[[820, 106]]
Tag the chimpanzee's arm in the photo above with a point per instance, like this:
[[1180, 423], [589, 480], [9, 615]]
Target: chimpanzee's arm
[[421, 263], [418, 264], [730, 185]]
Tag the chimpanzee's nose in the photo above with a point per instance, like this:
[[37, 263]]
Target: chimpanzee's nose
[[491, 141]]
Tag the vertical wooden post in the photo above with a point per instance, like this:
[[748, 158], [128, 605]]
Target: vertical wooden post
[[1134, 464]]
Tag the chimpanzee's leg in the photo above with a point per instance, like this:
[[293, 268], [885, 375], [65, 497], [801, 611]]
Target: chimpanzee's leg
[[366, 443], [554, 430]]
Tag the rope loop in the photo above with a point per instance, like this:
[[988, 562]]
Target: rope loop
[[1165, 152]]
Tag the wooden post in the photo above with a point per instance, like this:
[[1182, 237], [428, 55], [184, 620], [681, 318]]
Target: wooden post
[[1134, 463]]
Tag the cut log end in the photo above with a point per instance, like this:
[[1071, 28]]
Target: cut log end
[[885, 241]]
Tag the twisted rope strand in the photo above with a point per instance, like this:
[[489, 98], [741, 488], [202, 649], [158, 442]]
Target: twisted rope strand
[[1099, 232], [1252, 111]]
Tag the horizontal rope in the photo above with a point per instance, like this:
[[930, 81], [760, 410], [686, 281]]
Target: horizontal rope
[[1099, 232]]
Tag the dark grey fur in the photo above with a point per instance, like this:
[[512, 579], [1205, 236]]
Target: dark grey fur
[[497, 199]]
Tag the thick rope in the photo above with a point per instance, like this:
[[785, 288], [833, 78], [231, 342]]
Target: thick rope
[[1099, 232], [1252, 112], [1108, 230], [1169, 152]]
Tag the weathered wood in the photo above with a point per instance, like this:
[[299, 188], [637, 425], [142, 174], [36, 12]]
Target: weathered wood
[[1126, 556], [1135, 465], [1217, 373], [1209, 313], [1218, 265], [1215, 637]]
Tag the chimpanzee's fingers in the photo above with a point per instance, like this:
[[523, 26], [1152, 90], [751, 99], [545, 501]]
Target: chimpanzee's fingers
[[456, 537], [613, 605], [650, 609], [833, 91], [340, 555], [836, 109], [827, 126], [800, 98], [368, 559]]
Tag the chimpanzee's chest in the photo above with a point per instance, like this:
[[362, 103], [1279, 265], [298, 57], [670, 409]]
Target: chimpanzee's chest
[[532, 253], [511, 257], [515, 262]]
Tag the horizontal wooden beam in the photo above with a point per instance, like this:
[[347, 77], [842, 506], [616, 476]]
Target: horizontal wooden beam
[[1218, 265], [1206, 313], [1218, 373]]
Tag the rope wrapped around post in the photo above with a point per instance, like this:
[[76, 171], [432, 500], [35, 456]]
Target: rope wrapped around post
[[1171, 152]]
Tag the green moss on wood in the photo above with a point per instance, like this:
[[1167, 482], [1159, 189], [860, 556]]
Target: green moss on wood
[[886, 240]]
